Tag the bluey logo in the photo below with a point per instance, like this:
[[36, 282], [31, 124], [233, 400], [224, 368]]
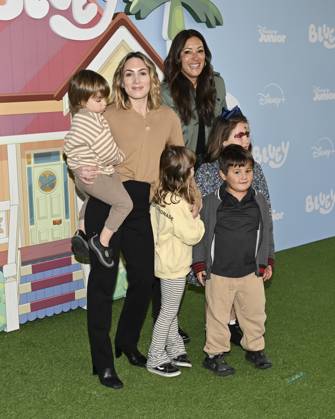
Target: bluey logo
[[277, 215], [274, 156], [270, 36], [324, 147], [323, 203], [322, 94], [323, 34], [272, 95]]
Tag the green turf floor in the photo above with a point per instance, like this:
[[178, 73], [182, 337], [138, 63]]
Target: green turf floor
[[45, 366]]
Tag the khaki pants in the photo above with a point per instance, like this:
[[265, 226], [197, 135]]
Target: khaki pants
[[246, 295], [110, 190]]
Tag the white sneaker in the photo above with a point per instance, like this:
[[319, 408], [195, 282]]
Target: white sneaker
[[182, 361]]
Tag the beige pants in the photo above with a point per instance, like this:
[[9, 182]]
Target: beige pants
[[246, 295], [110, 190]]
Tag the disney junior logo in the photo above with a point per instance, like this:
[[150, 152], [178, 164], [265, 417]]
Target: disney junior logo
[[322, 94], [323, 34], [274, 156], [324, 147], [270, 36], [323, 203], [272, 95]]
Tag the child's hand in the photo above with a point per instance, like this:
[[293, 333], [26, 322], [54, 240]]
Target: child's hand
[[267, 273], [87, 174], [196, 208], [201, 277], [194, 211]]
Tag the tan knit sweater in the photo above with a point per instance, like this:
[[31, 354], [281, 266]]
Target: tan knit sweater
[[143, 139]]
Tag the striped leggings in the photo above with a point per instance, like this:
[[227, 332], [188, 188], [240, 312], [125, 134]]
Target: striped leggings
[[166, 342]]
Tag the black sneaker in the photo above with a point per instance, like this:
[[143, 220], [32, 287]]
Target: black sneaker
[[236, 334], [259, 359], [218, 365], [186, 338], [104, 254], [79, 247], [182, 361], [165, 370]]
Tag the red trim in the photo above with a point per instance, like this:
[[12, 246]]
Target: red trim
[[52, 264], [51, 282], [53, 301], [199, 267]]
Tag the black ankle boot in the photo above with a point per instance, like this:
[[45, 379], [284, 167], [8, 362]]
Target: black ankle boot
[[134, 356], [108, 378]]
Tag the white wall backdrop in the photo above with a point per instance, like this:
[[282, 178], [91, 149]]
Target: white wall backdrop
[[278, 61]]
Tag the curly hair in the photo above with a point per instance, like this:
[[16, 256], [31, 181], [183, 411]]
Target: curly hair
[[181, 87], [119, 95], [219, 133], [83, 85], [175, 167]]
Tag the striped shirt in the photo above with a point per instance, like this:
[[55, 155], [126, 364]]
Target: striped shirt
[[90, 143]]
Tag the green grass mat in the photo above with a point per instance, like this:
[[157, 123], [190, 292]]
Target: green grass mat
[[45, 369]]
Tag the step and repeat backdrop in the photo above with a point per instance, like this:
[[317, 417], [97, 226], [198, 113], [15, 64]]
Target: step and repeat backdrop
[[278, 61]]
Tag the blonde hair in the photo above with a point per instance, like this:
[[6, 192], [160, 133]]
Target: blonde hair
[[119, 95], [175, 167], [83, 85]]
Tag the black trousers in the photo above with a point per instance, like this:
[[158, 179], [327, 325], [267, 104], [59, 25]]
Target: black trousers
[[135, 240]]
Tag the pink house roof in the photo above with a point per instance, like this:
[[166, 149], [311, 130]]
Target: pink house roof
[[40, 62]]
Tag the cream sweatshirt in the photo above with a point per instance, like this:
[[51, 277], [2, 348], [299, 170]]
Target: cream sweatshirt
[[175, 232]]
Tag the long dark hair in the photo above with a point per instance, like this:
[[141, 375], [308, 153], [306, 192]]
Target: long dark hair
[[181, 87], [175, 167]]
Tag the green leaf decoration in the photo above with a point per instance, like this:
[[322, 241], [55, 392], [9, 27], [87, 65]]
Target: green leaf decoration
[[204, 11], [142, 8], [176, 19]]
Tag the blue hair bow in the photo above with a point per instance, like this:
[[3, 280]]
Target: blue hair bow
[[227, 114]]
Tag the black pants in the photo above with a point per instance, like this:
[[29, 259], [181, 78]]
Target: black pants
[[135, 240]]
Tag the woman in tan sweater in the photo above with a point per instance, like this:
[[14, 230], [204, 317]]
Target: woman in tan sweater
[[141, 127]]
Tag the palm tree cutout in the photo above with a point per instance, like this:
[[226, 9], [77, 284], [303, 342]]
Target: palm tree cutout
[[202, 11]]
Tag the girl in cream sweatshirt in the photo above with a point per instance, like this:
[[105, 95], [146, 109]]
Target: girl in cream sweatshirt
[[176, 229]]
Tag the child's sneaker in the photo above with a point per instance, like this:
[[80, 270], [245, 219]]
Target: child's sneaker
[[218, 365], [259, 359], [79, 247], [182, 361], [104, 254], [165, 370]]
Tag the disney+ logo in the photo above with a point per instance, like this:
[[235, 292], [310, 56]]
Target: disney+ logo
[[324, 147], [272, 95]]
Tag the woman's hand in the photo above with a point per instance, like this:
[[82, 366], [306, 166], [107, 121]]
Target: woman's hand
[[267, 273], [87, 174]]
